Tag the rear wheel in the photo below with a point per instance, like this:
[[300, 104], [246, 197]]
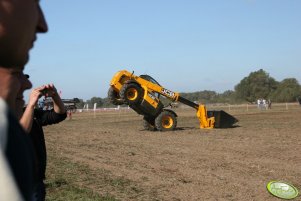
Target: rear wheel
[[114, 97], [131, 93], [166, 121]]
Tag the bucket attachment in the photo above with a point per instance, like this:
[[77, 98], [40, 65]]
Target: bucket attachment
[[205, 122], [222, 119], [214, 119]]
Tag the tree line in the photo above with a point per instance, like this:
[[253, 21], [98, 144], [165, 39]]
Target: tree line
[[258, 84]]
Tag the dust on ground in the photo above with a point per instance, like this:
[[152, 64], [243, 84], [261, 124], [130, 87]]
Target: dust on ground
[[186, 164]]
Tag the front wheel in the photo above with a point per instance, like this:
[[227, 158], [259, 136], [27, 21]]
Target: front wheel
[[131, 93], [166, 121]]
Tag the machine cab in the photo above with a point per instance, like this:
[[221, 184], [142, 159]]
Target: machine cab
[[150, 79]]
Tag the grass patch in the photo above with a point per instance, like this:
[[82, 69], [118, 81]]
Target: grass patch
[[57, 191], [68, 180]]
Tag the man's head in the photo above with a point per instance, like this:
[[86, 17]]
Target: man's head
[[20, 21], [13, 83]]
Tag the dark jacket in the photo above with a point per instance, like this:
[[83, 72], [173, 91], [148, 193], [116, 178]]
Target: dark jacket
[[42, 118], [20, 156]]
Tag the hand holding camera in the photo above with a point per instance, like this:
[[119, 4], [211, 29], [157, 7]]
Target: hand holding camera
[[48, 90]]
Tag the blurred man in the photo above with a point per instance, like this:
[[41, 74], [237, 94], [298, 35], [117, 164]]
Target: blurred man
[[14, 143], [13, 83], [20, 21]]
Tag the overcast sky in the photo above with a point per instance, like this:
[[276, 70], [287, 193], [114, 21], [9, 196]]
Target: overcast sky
[[186, 46]]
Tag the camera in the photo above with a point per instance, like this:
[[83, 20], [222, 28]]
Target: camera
[[44, 92]]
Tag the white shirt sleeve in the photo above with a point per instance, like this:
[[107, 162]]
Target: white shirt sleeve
[[8, 188]]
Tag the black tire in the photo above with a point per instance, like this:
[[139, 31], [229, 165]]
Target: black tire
[[149, 124], [166, 121], [114, 97], [131, 93]]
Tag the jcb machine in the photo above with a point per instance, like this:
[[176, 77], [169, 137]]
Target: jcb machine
[[142, 93]]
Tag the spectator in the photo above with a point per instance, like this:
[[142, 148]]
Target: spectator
[[261, 103], [15, 145], [258, 103], [20, 20], [17, 36], [32, 121], [8, 187], [299, 100], [269, 104]]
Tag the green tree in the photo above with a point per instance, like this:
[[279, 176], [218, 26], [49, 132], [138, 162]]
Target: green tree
[[257, 85], [287, 91], [205, 96], [80, 103], [227, 97], [97, 100], [107, 103]]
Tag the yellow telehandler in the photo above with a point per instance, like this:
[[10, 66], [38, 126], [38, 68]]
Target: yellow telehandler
[[142, 94]]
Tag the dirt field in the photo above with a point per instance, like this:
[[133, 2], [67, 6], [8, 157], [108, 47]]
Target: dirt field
[[111, 155]]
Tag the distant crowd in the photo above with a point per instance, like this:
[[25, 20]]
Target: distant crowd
[[263, 104]]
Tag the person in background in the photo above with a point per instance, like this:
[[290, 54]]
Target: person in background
[[15, 147], [16, 39], [33, 120], [269, 104], [299, 100], [20, 21]]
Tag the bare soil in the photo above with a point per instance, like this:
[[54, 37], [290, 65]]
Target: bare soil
[[186, 164]]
